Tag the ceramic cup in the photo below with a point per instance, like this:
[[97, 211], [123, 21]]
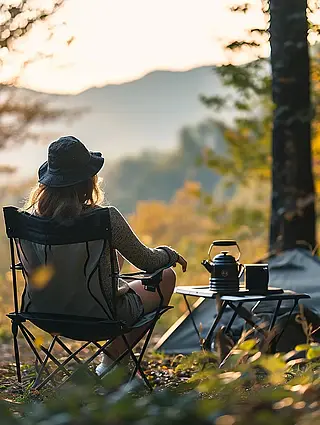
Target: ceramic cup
[[257, 278]]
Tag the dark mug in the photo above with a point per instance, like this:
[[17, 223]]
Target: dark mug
[[257, 278]]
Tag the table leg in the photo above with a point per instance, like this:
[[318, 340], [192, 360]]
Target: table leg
[[235, 314], [275, 315], [208, 340], [246, 316], [255, 306], [286, 324], [191, 316]]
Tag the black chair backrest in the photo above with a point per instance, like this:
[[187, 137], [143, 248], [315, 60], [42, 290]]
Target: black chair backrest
[[87, 227], [42, 240]]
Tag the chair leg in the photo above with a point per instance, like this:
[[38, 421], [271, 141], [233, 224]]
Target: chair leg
[[102, 349], [42, 348], [129, 350], [33, 349], [61, 366], [36, 384], [105, 351], [148, 332], [86, 363], [15, 328], [137, 365], [115, 362], [74, 356], [31, 339]]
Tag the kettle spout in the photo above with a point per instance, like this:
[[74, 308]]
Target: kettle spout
[[207, 265]]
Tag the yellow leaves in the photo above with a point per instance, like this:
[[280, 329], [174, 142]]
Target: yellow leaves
[[147, 239], [302, 347], [277, 378], [180, 224], [248, 345], [313, 352], [193, 188], [273, 363], [276, 368], [8, 276], [42, 276], [38, 341]]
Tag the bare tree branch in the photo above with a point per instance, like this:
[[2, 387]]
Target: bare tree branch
[[23, 113]]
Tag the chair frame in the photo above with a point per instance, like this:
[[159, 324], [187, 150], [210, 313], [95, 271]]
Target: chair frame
[[151, 282]]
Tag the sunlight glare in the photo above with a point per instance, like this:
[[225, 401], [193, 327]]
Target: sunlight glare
[[115, 42]]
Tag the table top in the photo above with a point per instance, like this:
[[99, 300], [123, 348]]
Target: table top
[[242, 296]]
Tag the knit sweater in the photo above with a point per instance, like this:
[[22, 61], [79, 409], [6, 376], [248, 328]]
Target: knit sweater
[[133, 250], [83, 269]]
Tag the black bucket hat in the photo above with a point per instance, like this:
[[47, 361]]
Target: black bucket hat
[[69, 162]]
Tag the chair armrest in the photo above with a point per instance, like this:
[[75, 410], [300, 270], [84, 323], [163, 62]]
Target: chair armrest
[[150, 280], [141, 275], [17, 266]]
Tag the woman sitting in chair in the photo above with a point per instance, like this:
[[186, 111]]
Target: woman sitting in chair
[[68, 186]]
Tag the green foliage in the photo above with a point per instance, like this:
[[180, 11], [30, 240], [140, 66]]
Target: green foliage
[[247, 156], [246, 369], [248, 137], [262, 388]]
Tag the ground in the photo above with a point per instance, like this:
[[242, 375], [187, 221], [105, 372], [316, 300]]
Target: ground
[[159, 370]]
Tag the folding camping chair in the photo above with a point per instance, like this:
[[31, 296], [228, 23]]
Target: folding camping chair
[[86, 231]]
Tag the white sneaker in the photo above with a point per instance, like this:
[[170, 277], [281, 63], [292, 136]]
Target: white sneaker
[[102, 367]]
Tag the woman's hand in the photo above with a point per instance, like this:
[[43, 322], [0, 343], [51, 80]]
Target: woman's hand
[[183, 263]]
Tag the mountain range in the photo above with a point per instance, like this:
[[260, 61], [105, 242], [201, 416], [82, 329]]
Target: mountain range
[[126, 119]]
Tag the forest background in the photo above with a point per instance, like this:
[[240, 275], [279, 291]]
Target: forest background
[[213, 183]]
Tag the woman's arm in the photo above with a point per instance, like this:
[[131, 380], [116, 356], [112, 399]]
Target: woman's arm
[[131, 248]]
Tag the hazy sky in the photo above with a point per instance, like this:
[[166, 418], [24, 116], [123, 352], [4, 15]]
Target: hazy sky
[[119, 40]]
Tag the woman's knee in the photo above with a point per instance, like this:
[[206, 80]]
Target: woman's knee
[[169, 279]]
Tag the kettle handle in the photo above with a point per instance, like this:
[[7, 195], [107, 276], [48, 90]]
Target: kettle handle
[[224, 243], [241, 270]]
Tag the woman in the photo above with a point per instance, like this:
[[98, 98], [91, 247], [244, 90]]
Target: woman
[[68, 186]]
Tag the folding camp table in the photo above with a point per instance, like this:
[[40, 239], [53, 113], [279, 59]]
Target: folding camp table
[[239, 302]]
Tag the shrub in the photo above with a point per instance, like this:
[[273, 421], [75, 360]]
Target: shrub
[[250, 387]]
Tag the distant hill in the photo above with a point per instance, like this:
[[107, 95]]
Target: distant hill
[[123, 120], [158, 176]]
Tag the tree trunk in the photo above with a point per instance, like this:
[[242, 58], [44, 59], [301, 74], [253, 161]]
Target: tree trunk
[[293, 198]]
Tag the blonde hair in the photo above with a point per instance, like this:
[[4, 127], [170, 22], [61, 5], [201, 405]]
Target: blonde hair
[[65, 202]]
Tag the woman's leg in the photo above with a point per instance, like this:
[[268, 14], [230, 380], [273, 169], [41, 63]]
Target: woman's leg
[[150, 302]]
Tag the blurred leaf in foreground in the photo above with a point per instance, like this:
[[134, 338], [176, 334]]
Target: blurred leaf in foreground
[[42, 276]]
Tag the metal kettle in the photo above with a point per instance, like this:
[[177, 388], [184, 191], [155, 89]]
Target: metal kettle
[[225, 270]]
